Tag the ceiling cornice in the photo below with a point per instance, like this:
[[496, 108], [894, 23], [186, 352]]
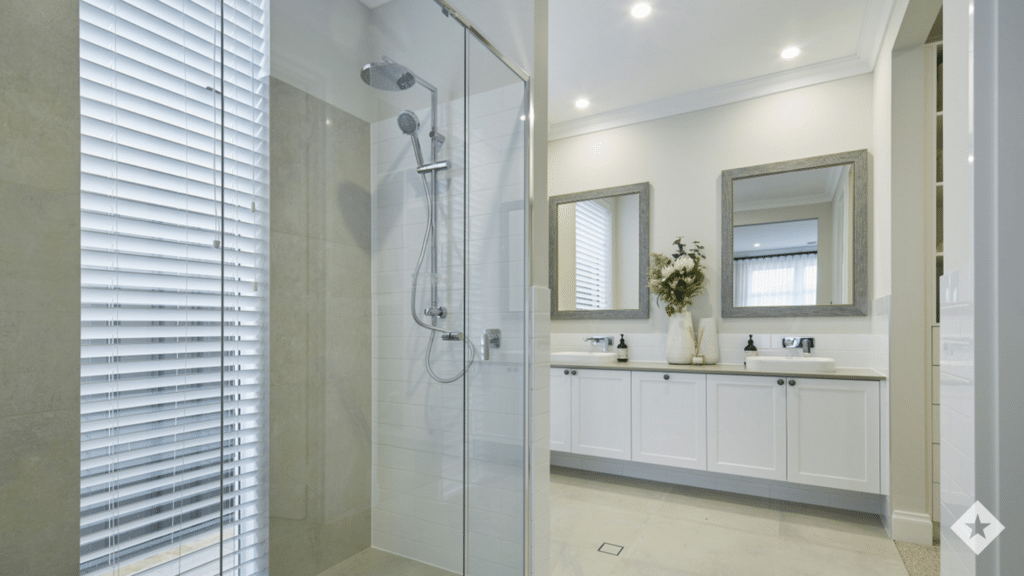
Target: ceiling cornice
[[714, 96], [872, 34], [876, 19]]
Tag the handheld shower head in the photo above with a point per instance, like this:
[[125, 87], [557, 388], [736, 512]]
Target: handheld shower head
[[387, 76], [409, 123]]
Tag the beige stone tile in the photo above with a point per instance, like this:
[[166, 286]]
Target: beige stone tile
[[629, 567], [733, 511], [54, 387], [588, 525], [348, 271], [40, 242], [289, 474], [700, 547], [315, 547], [39, 99], [347, 454], [847, 521], [34, 341], [830, 527], [617, 495], [39, 499], [290, 137], [568, 560], [347, 186], [804, 559], [374, 562]]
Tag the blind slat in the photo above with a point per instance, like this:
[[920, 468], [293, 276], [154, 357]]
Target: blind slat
[[173, 250]]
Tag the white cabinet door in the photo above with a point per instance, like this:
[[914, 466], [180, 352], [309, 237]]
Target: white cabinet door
[[561, 409], [747, 426], [833, 433], [600, 413], [669, 424]]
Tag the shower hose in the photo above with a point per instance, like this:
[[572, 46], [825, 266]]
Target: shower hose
[[430, 199]]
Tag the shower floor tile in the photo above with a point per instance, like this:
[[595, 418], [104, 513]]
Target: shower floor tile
[[374, 562]]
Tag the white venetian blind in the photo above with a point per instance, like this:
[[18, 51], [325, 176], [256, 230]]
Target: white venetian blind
[[593, 255], [173, 219]]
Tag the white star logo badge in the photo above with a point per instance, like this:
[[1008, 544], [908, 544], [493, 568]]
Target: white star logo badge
[[977, 527]]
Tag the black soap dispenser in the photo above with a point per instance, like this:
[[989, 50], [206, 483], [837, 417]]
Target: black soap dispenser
[[622, 348], [750, 350]]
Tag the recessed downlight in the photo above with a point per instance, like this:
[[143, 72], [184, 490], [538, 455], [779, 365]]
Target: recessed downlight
[[791, 52], [640, 10], [582, 103], [757, 245]]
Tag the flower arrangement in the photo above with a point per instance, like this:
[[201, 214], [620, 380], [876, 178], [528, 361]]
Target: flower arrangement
[[678, 279]]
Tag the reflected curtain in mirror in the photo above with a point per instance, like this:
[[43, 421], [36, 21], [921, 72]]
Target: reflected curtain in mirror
[[794, 240], [785, 280]]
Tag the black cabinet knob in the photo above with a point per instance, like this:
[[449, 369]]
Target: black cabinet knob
[[573, 372], [666, 376], [792, 382], [567, 373], [781, 381]]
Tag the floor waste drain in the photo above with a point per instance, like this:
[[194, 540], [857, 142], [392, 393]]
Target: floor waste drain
[[612, 549]]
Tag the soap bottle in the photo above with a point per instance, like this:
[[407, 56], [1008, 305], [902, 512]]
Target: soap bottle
[[750, 350], [623, 349]]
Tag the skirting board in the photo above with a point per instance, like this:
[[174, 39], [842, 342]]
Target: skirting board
[[843, 499], [912, 527]]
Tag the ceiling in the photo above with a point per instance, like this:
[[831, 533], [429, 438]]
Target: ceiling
[[688, 55], [786, 189]]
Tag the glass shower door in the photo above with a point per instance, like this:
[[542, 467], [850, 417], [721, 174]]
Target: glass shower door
[[497, 435]]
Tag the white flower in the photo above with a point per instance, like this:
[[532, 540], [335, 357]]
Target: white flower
[[667, 270], [683, 263]]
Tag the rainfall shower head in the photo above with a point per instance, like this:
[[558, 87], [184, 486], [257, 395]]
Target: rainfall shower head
[[387, 76], [408, 122]]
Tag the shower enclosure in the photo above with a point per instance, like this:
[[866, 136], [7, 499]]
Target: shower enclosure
[[399, 293]]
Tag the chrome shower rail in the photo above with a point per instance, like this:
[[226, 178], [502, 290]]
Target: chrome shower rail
[[450, 11]]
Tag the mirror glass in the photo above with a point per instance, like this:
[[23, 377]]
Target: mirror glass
[[598, 238], [791, 239], [793, 243]]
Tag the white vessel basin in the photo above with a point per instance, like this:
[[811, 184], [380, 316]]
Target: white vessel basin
[[583, 357], [792, 364]]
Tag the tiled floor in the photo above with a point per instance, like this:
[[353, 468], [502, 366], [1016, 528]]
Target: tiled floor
[[374, 562], [665, 529]]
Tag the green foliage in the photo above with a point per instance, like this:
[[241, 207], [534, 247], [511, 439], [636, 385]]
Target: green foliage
[[676, 280]]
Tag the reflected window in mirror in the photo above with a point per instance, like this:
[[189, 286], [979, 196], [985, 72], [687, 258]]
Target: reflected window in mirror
[[794, 238], [598, 253]]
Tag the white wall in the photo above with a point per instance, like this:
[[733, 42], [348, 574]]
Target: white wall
[[683, 157], [319, 47]]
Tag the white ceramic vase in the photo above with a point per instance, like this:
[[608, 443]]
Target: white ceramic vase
[[708, 347], [679, 345]]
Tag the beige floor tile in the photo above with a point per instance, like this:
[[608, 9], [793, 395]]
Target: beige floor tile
[[374, 562], [803, 559], [588, 525], [699, 547], [681, 530], [568, 560], [733, 511], [629, 567]]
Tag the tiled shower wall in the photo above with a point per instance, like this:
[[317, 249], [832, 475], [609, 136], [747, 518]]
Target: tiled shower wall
[[39, 288], [418, 451], [319, 331]]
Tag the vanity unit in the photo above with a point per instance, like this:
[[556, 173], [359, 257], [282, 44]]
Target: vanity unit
[[776, 430]]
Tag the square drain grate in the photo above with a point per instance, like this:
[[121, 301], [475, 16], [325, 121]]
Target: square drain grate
[[612, 549]]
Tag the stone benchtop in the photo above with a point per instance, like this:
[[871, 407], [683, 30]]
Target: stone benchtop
[[732, 369]]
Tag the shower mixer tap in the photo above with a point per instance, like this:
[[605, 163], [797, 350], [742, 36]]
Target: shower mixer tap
[[436, 312]]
